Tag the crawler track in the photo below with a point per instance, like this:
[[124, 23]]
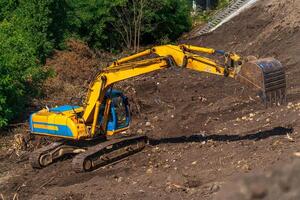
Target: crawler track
[[107, 152], [35, 156]]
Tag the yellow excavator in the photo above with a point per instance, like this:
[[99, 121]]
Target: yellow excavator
[[93, 132]]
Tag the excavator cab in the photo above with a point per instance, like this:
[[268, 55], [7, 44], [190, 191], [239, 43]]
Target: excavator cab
[[119, 113]]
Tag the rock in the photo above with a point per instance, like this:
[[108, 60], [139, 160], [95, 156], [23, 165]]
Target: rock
[[191, 191], [194, 163], [148, 124], [155, 118], [140, 131], [203, 99], [149, 171], [246, 167], [168, 189], [166, 166], [289, 138], [120, 179], [297, 154], [155, 149], [214, 188]]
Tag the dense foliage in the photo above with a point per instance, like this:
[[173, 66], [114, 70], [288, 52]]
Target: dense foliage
[[112, 24], [24, 44], [31, 29]]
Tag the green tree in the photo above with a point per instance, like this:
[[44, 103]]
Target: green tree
[[169, 20], [90, 21], [25, 43], [20, 75], [7, 7], [124, 23], [33, 17]]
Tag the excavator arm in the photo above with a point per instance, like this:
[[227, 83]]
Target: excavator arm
[[251, 73]]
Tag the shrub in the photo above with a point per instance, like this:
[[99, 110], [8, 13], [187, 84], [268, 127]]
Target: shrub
[[24, 45]]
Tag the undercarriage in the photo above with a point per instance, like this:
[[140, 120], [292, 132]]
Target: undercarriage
[[88, 154]]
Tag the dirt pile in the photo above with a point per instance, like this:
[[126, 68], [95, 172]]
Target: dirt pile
[[74, 68], [281, 183], [270, 28]]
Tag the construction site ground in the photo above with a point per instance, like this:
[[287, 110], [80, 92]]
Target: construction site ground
[[205, 131]]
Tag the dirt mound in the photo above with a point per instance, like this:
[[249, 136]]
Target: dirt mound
[[74, 68], [75, 64], [268, 29], [281, 183]]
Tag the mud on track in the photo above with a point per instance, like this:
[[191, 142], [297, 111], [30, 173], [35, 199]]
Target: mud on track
[[206, 130]]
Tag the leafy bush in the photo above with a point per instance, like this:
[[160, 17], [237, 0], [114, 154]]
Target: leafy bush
[[166, 19], [105, 24], [24, 44]]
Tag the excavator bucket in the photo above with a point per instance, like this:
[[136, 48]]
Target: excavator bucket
[[267, 77]]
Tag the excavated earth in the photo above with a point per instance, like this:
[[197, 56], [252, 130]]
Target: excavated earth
[[210, 136]]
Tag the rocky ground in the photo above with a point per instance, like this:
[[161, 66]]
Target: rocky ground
[[206, 131]]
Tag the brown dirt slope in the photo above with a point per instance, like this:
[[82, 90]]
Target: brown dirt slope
[[205, 129]]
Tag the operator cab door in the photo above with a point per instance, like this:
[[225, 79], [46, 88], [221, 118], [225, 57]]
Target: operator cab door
[[119, 114]]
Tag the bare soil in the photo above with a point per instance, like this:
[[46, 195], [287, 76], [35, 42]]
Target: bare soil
[[206, 131]]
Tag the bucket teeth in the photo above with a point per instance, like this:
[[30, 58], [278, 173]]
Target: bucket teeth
[[267, 77], [274, 83]]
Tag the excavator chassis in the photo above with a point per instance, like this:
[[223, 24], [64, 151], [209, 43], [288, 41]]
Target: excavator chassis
[[90, 154]]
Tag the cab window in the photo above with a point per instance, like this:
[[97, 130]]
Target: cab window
[[120, 109]]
